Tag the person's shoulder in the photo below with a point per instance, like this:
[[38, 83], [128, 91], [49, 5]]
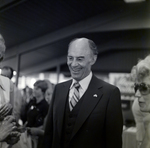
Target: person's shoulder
[[7, 82], [3, 78], [105, 84]]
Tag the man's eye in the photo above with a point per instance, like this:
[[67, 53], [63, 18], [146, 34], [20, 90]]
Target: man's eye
[[70, 58], [80, 59]]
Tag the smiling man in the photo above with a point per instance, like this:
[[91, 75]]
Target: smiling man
[[85, 112]]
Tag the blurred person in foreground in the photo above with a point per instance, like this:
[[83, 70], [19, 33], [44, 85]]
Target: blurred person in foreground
[[142, 92], [85, 112], [8, 129], [7, 71]]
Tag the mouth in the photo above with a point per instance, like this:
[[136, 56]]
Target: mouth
[[141, 104], [75, 70]]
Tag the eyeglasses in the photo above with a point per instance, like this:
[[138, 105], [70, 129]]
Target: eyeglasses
[[143, 88]]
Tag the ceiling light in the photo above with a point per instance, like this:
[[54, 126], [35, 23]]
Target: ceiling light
[[133, 1]]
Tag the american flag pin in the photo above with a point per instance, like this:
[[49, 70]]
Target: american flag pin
[[95, 95]]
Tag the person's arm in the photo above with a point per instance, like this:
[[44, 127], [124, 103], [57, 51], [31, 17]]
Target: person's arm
[[11, 93], [114, 120], [6, 127], [35, 131]]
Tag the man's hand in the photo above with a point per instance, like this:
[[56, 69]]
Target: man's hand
[[13, 138], [6, 127]]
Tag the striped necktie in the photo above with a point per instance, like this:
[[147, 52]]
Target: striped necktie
[[75, 97]]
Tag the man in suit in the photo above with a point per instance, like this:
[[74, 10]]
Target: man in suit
[[94, 118]]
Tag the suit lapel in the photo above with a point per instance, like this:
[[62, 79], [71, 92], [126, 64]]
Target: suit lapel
[[91, 97], [62, 104]]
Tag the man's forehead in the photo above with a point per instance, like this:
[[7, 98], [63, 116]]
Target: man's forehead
[[79, 49], [78, 54], [80, 43]]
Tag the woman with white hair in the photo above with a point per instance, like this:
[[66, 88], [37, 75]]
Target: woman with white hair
[[137, 113], [142, 92]]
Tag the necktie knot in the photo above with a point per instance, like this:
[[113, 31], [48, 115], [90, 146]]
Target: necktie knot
[[77, 85]]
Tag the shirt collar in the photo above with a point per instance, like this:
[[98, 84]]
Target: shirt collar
[[84, 83]]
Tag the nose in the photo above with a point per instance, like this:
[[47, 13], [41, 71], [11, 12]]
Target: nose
[[141, 99], [74, 63], [138, 94]]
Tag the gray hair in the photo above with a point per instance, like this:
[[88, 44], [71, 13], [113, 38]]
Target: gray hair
[[142, 69]]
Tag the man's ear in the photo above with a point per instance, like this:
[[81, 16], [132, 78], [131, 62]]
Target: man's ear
[[93, 59]]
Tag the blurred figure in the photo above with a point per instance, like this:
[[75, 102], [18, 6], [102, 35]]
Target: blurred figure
[[142, 92], [36, 111], [7, 71], [27, 94], [49, 91], [38, 102], [8, 129], [48, 97]]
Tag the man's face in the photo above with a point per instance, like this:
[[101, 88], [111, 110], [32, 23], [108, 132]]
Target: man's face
[[143, 94], [80, 59]]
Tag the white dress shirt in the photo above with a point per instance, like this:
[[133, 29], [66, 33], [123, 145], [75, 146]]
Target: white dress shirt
[[84, 83]]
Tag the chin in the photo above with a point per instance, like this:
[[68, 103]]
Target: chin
[[143, 110], [76, 77]]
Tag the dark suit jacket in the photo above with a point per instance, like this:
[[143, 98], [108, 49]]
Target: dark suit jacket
[[99, 122]]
